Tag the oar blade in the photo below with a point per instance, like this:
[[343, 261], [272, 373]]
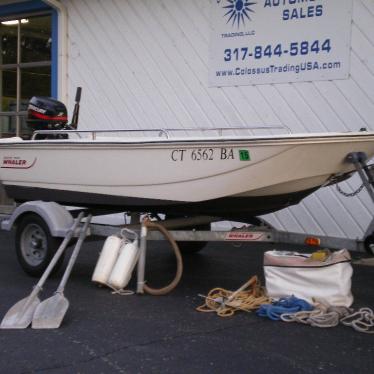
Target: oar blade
[[20, 315], [50, 312]]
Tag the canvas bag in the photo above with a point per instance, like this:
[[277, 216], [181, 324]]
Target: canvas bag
[[298, 274]]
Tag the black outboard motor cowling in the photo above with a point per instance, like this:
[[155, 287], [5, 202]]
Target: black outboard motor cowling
[[45, 113]]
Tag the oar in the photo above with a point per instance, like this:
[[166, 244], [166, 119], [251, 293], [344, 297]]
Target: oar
[[50, 313], [20, 315]]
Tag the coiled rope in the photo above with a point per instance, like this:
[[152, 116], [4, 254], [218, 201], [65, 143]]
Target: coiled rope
[[362, 320], [321, 316], [287, 305], [290, 309], [225, 303], [325, 316]]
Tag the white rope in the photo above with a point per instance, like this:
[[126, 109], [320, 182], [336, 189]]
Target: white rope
[[362, 320], [321, 316], [329, 316], [121, 292]]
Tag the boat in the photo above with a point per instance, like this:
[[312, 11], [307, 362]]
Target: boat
[[218, 173]]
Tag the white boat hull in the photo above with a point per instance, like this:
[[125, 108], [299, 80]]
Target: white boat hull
[[185, 173]]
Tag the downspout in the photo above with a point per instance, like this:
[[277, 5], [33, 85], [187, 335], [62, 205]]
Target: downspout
[[62, 81]]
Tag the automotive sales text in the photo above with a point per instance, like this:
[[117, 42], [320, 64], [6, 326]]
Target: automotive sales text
[[296, 13]]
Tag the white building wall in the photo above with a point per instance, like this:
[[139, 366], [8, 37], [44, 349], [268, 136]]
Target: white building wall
[[144, 64]]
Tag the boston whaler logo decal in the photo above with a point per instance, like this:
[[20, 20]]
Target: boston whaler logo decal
[[15, 162]]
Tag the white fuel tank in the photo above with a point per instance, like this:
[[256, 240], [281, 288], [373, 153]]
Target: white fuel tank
[[121, 273], [107, 259]]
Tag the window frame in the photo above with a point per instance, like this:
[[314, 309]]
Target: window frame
[[24, 10]]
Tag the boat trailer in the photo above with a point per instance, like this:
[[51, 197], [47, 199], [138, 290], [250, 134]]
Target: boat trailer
[[38, 223]]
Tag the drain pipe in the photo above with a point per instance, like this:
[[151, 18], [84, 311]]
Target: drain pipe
[[62, 48]]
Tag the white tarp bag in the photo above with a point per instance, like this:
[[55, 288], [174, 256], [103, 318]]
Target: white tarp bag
[[300, 274]]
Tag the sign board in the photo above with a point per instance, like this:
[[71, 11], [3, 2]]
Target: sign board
[[274, 41]]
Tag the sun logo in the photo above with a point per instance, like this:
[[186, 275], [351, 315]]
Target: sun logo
[[238, 11]]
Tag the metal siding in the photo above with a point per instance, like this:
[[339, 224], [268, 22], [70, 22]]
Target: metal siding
[[144, 64]]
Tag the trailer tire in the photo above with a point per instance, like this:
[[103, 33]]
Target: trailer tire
[[369, 244], [35, 246], [190, 247]]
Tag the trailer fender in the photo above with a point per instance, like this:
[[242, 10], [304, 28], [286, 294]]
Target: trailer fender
[[58, 219]]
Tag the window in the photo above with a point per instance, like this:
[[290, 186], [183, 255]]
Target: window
[[26, 68]]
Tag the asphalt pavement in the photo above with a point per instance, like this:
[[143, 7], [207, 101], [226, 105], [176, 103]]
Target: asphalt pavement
[[105, 333]]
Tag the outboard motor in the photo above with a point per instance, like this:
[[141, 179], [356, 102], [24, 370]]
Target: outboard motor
[[45, 113]]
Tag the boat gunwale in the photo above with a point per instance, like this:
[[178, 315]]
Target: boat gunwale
[[294, 139]]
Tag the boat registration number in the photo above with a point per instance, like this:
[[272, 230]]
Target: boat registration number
[[209, 154]]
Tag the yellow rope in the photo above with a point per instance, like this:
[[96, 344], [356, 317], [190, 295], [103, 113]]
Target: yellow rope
[[225, 303]]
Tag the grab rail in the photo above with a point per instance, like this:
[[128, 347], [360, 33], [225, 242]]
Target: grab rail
[[161, 132]]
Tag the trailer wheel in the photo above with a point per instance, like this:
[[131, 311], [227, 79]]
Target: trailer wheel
[[189, 247], [35, 246], [369, 244]]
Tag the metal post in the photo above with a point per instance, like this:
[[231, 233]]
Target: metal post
[[141, 262], [18, 90]]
